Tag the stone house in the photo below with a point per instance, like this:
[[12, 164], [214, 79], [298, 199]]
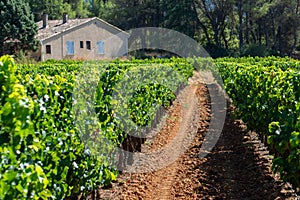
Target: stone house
[[90, 38]]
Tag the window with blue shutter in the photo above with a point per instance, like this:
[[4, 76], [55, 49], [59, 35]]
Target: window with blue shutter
[[70, 47], [100, 45]]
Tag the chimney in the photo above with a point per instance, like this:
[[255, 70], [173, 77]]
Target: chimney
[[65, 18], [45, 20]]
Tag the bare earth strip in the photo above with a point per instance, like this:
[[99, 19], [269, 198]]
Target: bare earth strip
[[239, 167], [174, 136]]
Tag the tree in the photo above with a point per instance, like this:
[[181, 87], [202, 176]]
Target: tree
[[272, 24], [18, 29], [137, 13], [102, 9], [54, 8], [220, 25], [286, 16], [79, 7], [217, 13], [180, 15], [239, 5]]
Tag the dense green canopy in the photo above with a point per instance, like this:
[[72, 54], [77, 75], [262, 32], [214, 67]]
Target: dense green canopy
[[18, 29], [224, 27]]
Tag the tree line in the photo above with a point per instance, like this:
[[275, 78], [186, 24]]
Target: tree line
[[223, 27]]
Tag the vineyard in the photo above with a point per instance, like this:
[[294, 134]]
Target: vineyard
[[266, 93], [44, 123]]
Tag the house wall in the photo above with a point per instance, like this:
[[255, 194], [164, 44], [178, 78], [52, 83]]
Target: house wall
[[115, 43]]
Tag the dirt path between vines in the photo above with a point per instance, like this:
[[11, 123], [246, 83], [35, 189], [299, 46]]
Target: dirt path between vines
[[239, 166]]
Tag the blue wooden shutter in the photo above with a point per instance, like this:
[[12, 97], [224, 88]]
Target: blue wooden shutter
[[70, 47], [100, 45]]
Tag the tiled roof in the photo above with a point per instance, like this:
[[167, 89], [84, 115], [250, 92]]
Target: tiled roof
[[55, 27]]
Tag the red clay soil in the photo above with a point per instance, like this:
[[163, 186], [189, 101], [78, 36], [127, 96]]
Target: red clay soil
[[239, 166]]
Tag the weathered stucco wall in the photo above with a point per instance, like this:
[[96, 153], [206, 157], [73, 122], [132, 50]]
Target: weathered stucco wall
[[92, 31]]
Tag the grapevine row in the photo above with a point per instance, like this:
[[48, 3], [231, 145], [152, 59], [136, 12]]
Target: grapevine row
[[43, 155], [266, 94]]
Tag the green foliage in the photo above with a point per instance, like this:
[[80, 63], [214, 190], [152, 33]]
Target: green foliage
[[266, 93], [18, 29], [79, 7], [134, 14], [23, 57], [187, 21], [103, 9], [43, 154], [130, 84], [18, 143], [144, 101], [56, 8], [237, 27], [215, 51], [255, 50]]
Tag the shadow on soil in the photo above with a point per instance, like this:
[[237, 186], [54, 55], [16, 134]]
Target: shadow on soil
[[238, 167]]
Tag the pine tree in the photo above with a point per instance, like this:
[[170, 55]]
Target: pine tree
[[180, 15], [54, 9], [137, 13], [18, 29]]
